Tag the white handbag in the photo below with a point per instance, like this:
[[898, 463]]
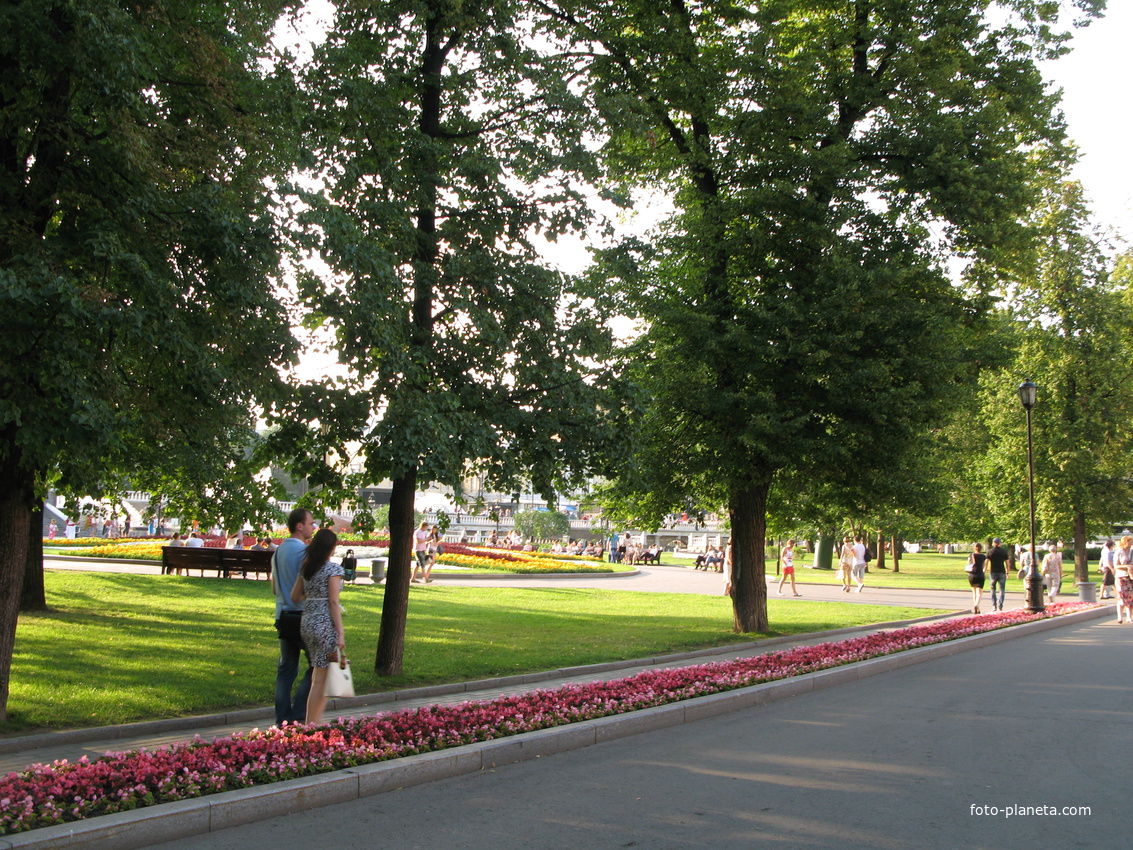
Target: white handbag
[[340, 681]]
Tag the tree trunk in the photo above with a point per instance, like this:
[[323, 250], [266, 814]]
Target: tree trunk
[[1081, 565], [17, 500], [33, 597], [881, 550], [749, 582], [395, 605], [896, 553]]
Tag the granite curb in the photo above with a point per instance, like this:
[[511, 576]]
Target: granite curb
[[169, 821], [128, 731]]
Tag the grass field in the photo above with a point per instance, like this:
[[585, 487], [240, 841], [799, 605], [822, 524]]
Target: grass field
[[118, 648]]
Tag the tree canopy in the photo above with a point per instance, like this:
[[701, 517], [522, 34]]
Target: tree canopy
[[1066, 327], [825, 159], [137, 248], [443, 143]]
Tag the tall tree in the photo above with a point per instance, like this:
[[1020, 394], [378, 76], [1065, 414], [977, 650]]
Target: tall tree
[[823, 158], [445, 143], [137, 247], [1072, 331]]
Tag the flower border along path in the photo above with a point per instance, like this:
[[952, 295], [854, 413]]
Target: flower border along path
[[132, 799]]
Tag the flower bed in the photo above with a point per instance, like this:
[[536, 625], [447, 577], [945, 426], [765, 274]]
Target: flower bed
[[64, 791], [476, 558], [144, 551]]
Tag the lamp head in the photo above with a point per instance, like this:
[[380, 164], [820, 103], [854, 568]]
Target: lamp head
[[1028, 394]]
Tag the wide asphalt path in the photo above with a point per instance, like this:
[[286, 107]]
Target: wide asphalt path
[[1018, 745]]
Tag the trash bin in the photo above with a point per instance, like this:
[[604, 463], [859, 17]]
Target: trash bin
[[1087, 591], [378, 570]]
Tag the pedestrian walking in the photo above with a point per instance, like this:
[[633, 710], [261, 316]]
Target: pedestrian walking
[[846, 563], [997, 558], [1052, 570], [1123, 565], [976, 577], [420, 552], [726, 569], [858, 568], [1109, 577], [787, 558]]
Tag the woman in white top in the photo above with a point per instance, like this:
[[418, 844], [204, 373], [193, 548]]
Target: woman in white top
[[432, 548], [787, 560], [1052, 571], [1123, 566]]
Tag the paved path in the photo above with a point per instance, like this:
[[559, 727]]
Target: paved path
[[651, 579], [900, 761]]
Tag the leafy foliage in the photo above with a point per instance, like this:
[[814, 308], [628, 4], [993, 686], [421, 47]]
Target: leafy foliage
[[823, 158], [138, 247], [1070, 333], [443, 144], [542, 525]]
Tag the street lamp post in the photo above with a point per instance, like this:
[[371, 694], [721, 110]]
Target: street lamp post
[[1028, 395]]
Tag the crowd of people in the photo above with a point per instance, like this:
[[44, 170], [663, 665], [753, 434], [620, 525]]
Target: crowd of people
[[1116, 567]]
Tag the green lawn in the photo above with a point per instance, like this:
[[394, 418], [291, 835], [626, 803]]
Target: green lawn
[[117, 648]]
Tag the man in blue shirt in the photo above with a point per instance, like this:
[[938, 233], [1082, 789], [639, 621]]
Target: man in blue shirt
[[286, 564]]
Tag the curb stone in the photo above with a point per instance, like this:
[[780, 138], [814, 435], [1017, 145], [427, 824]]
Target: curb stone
[[169, 821]]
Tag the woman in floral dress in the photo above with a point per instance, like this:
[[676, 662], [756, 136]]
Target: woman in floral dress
[[318, 587]]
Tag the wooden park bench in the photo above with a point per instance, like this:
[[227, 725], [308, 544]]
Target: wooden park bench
[[222, 561]]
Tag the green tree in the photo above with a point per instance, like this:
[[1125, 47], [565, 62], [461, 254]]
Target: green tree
[[823, 158], [137, 249], [542, 525], [446, 143], [1072, 331]]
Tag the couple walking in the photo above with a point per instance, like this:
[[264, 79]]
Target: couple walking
[[852, 561], [308, 617], [995, 562]]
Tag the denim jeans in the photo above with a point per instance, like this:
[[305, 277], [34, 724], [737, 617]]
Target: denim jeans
[[290, 652], [999, 579]]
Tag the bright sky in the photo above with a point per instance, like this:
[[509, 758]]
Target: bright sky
[[1093, 78]]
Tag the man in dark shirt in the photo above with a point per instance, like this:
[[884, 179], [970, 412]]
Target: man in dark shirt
[[997, 558]]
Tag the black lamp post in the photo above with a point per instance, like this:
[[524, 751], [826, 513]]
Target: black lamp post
[[1028, 395]]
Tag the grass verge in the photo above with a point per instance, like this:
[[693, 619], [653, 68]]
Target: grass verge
[[118, 648]]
